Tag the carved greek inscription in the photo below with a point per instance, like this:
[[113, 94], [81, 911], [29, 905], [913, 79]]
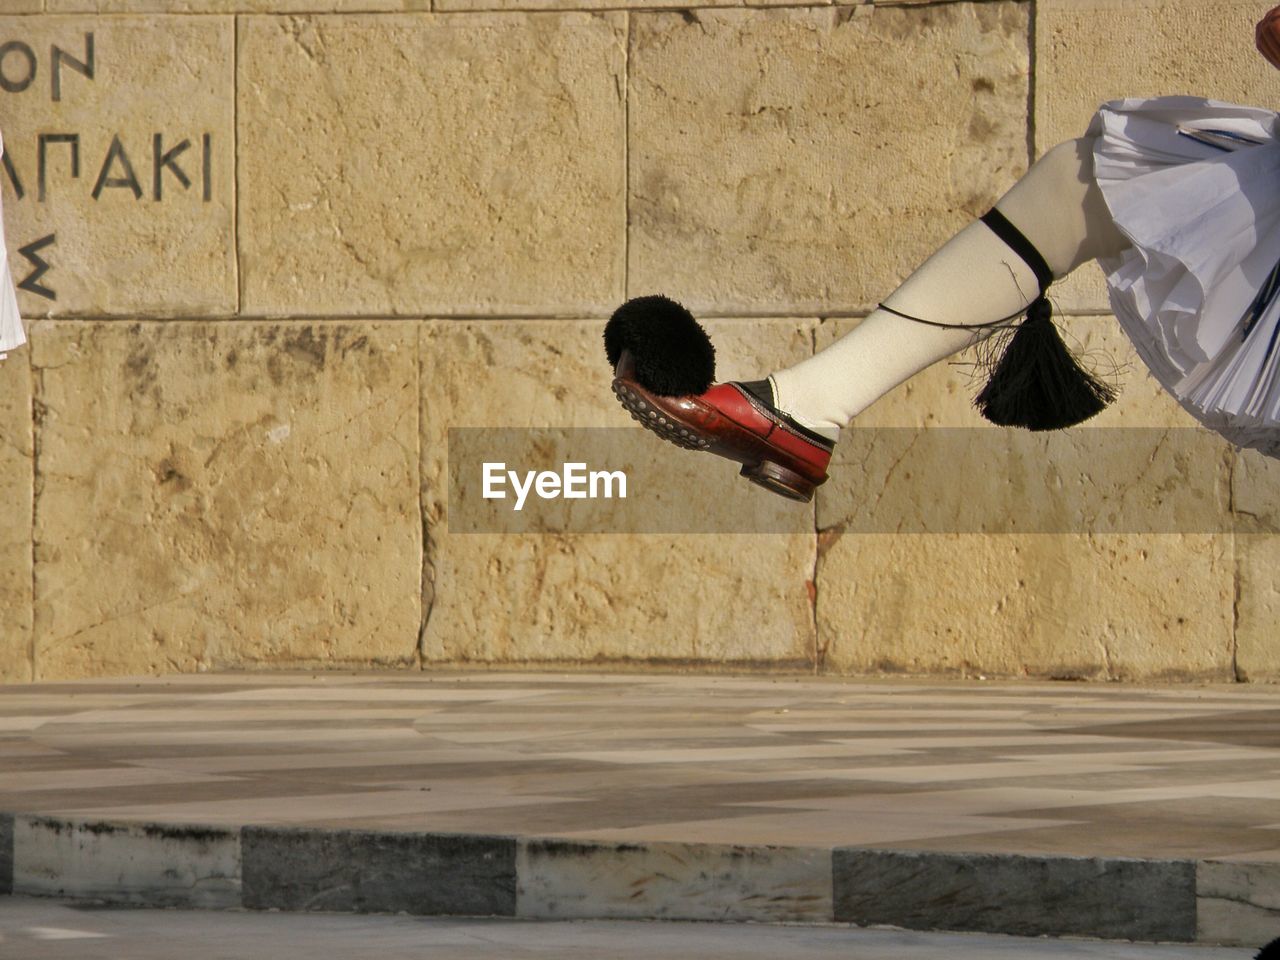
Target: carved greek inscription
[[46, 165], [167, 159], [83, 67], [19, 66], [118, 167], [116, 156], [12, 174], [40, 267], [72, 139]]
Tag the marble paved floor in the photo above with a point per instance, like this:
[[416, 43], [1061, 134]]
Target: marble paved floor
[[49, 930], [1098, 770]]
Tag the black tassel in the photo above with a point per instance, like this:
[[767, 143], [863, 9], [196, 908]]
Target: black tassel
[[673, 355], [1270, 952], [1036, 383]]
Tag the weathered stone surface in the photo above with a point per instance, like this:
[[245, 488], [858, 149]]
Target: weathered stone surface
[[1115, 606], [789, 160], [1255, 495], [1120, 604], [153, 865], [234, 6], [1255, 492], [432, 165], [213, 495], [1091, 51], [16, 485], [1025, 896], [415, 873], [1094, 481], [127, 236], [796, 160], [675, 881], [1237, 902], [722, 600], [1258, 560], [483, 5]]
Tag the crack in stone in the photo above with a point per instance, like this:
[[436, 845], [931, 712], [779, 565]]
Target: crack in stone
[[122, 616]]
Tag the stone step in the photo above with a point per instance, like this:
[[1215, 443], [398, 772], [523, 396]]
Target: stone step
[[301, 869]]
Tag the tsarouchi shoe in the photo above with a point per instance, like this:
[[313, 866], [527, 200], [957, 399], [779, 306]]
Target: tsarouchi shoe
[[737, 421]]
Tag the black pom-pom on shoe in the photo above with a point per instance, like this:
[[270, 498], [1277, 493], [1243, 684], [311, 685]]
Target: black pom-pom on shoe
[[671, 353]]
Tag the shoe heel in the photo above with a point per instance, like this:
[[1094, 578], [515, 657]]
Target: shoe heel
[[779, 479]]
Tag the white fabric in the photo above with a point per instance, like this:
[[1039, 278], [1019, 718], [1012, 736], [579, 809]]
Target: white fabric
[[11, 334], [1204, 221]]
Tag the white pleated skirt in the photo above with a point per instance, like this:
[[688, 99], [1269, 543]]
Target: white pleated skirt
[[11, 334], [1195, 185]]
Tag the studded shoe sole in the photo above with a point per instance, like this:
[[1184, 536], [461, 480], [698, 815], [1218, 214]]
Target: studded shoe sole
[[696, 423]]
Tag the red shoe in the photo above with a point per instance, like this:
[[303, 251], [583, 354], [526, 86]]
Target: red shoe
[[737, 421]]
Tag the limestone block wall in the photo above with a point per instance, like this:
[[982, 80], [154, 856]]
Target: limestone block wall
[[272, 251]]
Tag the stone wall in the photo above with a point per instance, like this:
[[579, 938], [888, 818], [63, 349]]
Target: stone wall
[[272, 251]]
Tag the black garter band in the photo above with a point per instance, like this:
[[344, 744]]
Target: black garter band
[[1016, 241]]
